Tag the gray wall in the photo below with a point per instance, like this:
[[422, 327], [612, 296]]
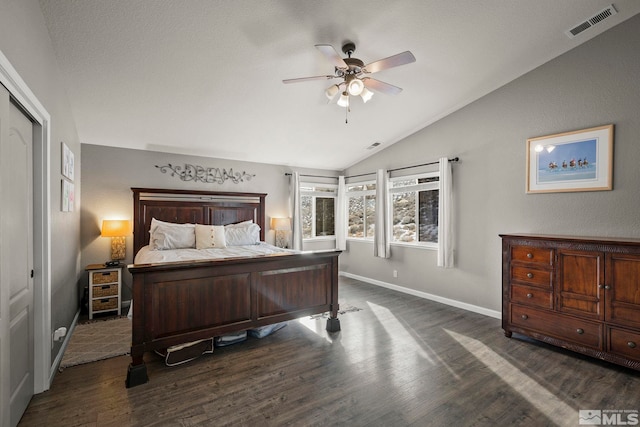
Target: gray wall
[[595, 84], [24, 40], [109, 173]]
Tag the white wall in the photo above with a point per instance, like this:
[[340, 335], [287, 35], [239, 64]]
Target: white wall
[[24, 40], [594, 84]]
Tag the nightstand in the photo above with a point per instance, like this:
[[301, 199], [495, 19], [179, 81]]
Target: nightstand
[[105, 284]]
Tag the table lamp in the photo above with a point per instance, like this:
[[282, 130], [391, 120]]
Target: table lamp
[[282, 226], [117, 229]]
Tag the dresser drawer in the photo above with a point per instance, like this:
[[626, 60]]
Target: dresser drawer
[[623, 342], [532, 276], [529, 295], [578, 331], [104, 277], [540, 256]]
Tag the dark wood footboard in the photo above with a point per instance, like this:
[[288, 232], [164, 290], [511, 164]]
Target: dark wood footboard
[[180, 302]]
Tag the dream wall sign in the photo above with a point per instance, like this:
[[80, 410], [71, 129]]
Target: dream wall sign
[[206, 175]]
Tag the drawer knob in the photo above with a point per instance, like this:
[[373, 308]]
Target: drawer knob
[[530, 275], [525, 317], [631, 344], [580, 331], [529, 255], [529, 295], [607, 287]]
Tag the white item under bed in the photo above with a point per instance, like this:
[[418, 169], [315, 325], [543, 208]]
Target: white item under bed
[[148, 256]]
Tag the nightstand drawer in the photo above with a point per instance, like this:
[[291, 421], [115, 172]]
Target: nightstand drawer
[[99, 277], [105, 304], [100, 291]]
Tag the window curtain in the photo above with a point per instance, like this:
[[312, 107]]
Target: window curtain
[[445, 215], [341, 216], [294, 201], [381, 244]]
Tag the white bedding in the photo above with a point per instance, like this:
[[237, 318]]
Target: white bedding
[[148, 256]]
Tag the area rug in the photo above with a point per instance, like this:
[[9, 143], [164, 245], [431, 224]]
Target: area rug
[[98, 340]]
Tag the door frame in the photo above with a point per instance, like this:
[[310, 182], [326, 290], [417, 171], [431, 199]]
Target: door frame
[[9, 77]]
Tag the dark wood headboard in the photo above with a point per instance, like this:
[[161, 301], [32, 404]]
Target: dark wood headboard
[[196, 207]]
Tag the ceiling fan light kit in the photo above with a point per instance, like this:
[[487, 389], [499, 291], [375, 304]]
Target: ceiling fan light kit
[[353, 73]]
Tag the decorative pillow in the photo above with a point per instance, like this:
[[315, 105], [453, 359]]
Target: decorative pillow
[[167, 235], [210, 236], [242, 235]]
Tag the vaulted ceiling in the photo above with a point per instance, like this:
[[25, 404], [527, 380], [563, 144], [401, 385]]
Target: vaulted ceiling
[[204, 77]]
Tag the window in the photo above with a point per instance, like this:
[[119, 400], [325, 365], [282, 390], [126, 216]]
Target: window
[[415, 202], [317, 209], [361, 199]]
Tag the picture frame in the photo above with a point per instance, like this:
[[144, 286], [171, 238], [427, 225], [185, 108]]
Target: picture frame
[[580, 160], [67, 196], [68, 162]]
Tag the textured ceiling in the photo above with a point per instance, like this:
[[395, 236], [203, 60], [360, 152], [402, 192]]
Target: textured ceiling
[[204, 77]]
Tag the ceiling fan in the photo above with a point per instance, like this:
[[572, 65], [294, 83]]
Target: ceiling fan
[[354, 74]]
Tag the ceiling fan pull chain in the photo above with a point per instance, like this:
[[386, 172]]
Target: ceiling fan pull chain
[[346, 114]]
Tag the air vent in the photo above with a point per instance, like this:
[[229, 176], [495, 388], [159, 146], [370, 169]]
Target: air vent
[[374, 145], [595, 19]]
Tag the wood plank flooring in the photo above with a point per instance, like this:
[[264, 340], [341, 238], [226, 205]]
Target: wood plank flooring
[[400, 361]]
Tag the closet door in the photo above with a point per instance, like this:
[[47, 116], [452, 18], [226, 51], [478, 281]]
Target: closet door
[[16, 265]]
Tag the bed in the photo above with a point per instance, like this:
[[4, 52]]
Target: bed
[[184, 301]]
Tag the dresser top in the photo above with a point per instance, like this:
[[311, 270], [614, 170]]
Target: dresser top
[[581, 239]]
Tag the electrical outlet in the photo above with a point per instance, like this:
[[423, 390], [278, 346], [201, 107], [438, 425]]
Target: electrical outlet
[[395, 273]]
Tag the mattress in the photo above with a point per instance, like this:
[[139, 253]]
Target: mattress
[[148, 256]]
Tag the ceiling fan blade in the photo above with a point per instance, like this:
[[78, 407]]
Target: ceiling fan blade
[[332, 55], [380, 86], [392, 61], [306, 79]]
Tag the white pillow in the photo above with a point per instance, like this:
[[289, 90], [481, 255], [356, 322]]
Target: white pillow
[[167, 235], [248, 234], [239, 224], [210, 236]]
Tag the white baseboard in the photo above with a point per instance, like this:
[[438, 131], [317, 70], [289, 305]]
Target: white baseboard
[[425, 295], [63, 348]]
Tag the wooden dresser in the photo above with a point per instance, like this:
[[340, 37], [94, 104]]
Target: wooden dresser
[[579, 293]]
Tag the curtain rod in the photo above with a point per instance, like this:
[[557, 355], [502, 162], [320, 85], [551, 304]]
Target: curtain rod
[[455, 159]]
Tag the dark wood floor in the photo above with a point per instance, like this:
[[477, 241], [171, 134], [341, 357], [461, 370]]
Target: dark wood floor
[[399, 361]]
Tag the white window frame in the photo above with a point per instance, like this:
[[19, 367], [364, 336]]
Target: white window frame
[[359, 193], [315, 194], [427, 186]]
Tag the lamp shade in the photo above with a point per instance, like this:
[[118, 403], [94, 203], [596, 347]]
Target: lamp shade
[[355, 87], [332, 91], [344, 99], [281, 224], [366, 95], [115, 228]]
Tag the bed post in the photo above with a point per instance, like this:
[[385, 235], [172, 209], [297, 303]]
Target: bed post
[[333, 323], [137, 371]]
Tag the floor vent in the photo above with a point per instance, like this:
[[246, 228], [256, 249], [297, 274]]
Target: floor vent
[[595, 19]]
